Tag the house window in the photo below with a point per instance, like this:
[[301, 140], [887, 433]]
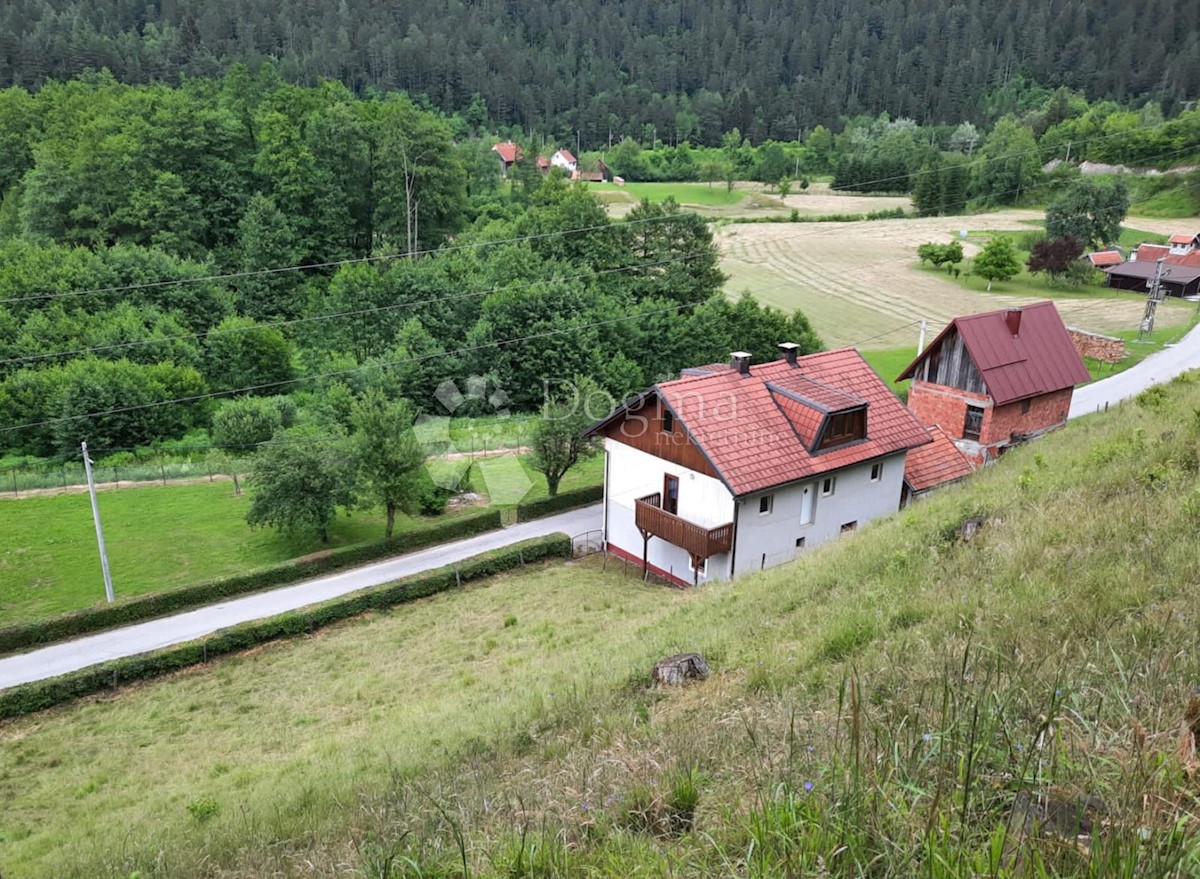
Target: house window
[[843, 428], [850, 526], [1024, 407], [973, 425], [766, 503], [668, 420], [828, 484], [703, 567], [670, 501], [876, 472], [799, 543]]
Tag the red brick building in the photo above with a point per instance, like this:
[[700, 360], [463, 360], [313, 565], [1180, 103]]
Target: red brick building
[[996, 379]]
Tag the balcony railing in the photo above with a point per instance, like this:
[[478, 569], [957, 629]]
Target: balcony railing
[[700, 542]]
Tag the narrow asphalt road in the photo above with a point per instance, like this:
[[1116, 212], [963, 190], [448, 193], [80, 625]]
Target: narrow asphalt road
[[58, 659], [73, 655], [1159, 367]]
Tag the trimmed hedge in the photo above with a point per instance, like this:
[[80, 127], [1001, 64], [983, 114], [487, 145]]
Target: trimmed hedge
[[567, 500], [28, 698], [185, 598]]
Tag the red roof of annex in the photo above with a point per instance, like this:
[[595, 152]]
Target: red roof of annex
[[936, 463], [1039, 358]]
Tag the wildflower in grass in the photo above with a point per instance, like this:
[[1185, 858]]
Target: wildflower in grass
[[808, 786], [927, 738]]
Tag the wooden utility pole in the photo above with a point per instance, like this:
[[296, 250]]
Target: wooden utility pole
[[1153, 297]]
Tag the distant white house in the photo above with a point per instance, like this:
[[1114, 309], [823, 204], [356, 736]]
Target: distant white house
[[563, 159], [734, 468]]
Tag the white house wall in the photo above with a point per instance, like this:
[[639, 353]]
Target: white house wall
[[631, 474], [770, 539]]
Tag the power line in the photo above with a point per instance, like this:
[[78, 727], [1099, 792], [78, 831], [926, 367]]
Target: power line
[[229, 276], [356, 312], [839, 227], [195, 398], [461, 350]]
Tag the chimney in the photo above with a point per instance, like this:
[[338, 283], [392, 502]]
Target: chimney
[[1013, 319], [740, 361], [788, 351]]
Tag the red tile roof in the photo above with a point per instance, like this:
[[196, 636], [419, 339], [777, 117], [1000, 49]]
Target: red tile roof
[[1152, 252], [1106, 258], [510, 152], [1183, 238], [566, 154], [1039, 358], [757, 430], [935, 463]]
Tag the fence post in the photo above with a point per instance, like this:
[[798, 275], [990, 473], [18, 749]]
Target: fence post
[[116, 478], [163, 470], [208, 467], [14, 476], [62, 471], [458, 578]]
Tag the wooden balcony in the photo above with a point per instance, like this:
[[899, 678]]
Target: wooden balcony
[[700, 542]]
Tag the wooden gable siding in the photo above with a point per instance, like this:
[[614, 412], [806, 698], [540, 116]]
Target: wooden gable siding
[[641, 428], [949, 364]]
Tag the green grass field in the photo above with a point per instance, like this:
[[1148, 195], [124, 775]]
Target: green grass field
[[716, 195], [890, 362], [163, 537], [881, 706]]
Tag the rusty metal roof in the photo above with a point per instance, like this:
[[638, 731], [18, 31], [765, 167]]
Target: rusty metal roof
[[1039, 358]]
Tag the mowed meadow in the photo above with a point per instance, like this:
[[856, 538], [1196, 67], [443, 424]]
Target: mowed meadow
[[902, 702], [860, 283]]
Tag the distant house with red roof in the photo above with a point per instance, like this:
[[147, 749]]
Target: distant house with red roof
[[933, 465], [1102, 258], [510, 153], [996, 379], [733, 468], [563, 159]]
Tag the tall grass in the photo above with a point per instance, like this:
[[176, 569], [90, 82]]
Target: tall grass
[[900, 703]]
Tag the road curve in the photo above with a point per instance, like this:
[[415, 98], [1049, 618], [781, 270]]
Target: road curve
[[1159, 367], [58, 659]]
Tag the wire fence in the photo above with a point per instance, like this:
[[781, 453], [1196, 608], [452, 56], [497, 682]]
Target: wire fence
[[27, 480], [133, 469]]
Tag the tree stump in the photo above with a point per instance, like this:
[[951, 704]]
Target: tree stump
[[680, 668]]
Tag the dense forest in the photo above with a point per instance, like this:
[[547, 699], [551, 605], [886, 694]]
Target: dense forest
[[148, 236], [682, 70]]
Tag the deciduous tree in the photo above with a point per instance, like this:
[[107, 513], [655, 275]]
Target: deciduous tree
[[1090, 211], [386, 453], [299, 479], [997, 261], [558, 443]]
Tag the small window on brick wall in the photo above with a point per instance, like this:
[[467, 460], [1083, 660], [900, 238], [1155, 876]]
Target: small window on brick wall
[[1024, 407]]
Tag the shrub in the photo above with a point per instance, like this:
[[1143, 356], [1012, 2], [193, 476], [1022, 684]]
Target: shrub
[[28, 698], [567, 500]]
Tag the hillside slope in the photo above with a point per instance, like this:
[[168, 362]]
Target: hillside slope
[[768, 68], [884, 707]]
